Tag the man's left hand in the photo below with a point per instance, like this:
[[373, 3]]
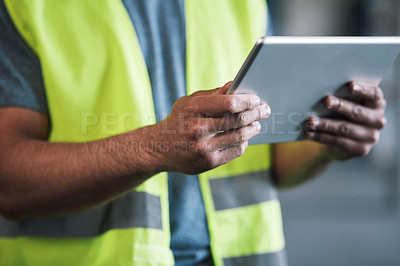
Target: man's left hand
[[354, 137]]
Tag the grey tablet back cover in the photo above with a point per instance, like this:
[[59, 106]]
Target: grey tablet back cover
[[293, 75]]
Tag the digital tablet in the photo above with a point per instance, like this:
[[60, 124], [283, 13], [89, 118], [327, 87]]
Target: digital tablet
[[293, 74]]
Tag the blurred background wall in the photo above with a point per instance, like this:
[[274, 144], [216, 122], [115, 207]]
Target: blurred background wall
[[350, 215]]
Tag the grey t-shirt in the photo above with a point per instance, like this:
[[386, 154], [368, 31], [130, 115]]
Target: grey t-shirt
[[21, 81]]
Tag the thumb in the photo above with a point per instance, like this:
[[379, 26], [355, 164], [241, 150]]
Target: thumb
[[224, 88], [217, 91]]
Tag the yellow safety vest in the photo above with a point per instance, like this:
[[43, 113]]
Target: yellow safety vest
[[97, 85]]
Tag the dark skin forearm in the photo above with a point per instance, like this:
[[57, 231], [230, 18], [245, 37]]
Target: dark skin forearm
[[60, 177]]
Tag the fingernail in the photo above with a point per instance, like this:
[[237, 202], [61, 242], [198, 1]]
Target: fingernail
[[311, 135], [333, 102], [357, 87], [258, 125], [313, 122], [265, 111], [383, 122], [255, 100]]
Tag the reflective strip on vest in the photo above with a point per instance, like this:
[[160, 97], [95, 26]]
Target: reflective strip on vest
[[125, 212], [243, 190], [275, 258]]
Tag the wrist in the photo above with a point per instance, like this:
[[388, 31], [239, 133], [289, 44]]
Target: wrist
[[297, 162], [331, 153], [146, 149]]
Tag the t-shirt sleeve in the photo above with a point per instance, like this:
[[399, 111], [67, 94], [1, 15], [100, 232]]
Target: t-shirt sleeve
[[21, 82], [270, 25]]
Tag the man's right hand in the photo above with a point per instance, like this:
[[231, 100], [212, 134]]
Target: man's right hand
[[208, 129], [203, 131]]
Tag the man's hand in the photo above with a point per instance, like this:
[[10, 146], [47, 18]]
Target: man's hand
[[203, 131], [208, 129], [354, 137]]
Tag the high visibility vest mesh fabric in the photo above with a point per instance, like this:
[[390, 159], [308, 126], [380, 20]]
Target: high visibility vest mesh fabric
[[97, 86]]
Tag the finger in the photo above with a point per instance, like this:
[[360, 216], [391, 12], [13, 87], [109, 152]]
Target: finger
[[214, 156], [356, 112], [206, 92], [238, 120], [225, 88], [373, 95], [349, 146], [220, 104], [221, 90], [232, 153], [220, 157], [235, 137], [343, 129]]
